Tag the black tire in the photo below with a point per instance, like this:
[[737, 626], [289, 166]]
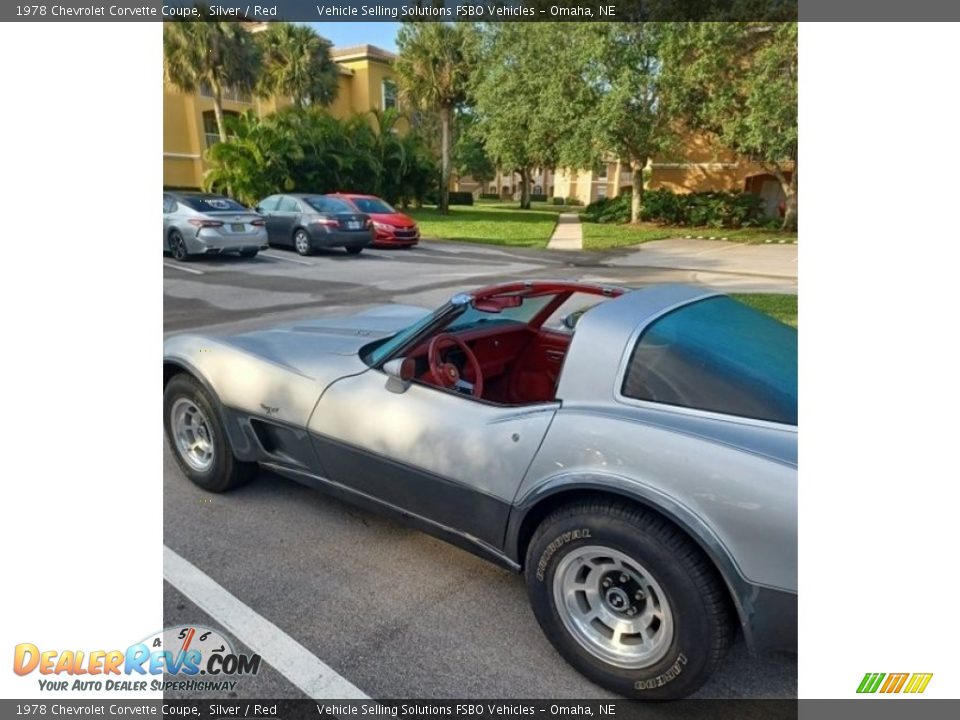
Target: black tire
[[301, 242], [701, 621], [355, 249], [225, 471], [178, 247], [249, 253]]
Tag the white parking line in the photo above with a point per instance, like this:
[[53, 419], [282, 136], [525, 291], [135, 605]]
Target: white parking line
[[185, 269], [280, 257], [286, 655]]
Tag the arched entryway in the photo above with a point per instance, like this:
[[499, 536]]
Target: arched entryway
[[771, 193]]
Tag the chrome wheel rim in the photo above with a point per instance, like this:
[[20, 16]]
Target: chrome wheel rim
[[303, 244], [613, 607], [179, 251], [192, 434]]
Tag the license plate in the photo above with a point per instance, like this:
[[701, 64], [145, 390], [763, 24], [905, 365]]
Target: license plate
[[238, 227], [353, 225]]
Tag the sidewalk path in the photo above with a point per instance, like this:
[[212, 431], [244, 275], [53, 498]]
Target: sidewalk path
[[568, 234]]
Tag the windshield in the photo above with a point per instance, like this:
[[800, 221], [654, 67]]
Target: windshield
[[372, 205], [327, 204], [524, 313], [451, 318]]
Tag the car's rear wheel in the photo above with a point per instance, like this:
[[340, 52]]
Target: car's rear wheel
[[301, 241], [178, 247], [249, 253], [354, 249], [197, 438], [627, 599]]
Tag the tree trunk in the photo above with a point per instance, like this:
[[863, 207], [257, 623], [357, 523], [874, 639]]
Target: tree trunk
[[636, 194], [218, 112], [445, 160], [790, 202], [524, 188]]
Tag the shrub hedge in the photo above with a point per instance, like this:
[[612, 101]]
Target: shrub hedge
[[461, 198], [709, 209]]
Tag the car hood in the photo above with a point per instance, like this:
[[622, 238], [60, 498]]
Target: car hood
[[303, 345], [396, 219]]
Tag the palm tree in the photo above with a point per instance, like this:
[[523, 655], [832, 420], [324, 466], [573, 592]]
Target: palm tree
[[297, 63], [212, 54], [259, 158], [434, 70]]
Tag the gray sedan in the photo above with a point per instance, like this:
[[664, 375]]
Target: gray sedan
[[307, 222], [204, 224]]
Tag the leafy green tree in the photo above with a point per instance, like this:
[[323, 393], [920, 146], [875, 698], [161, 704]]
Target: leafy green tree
[[218, 55], [469, 153], [523, 113], [738, 82], [297, 64], [630, 117], [433, 68]]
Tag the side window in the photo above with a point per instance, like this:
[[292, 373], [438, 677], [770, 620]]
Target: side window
[[565, 318], [270, 203], [288, 204], [717, 355], [169, 204]]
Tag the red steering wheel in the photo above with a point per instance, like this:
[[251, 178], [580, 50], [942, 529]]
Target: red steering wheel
[[446, 374]]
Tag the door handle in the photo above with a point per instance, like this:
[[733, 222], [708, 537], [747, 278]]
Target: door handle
[[555, 355]]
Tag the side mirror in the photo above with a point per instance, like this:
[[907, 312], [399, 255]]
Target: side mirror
[[258, 209], [570, 321], [400, 372]]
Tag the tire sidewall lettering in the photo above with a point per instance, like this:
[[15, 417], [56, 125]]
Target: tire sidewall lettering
[[669, 675], [557, 543]]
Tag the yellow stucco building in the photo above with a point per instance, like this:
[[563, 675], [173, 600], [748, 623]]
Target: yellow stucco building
[[701, 167], [367, 82]]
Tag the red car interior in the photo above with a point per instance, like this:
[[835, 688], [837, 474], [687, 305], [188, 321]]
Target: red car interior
[[519, 364]]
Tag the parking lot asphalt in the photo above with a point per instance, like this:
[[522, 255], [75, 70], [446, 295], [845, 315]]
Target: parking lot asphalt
[[395, 612]]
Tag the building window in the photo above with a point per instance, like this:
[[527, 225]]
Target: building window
[[389, 91], [229, 93], [602, 174], [210, 132], [601, 191]]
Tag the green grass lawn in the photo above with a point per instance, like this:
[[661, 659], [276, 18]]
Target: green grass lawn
[[491, 223], [605, 236], [781, 307]]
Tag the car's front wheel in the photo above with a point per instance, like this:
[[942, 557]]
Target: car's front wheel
[[627, 599], [197, 437]]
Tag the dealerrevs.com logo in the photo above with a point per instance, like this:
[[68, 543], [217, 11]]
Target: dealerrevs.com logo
[[186, 652], [910, 683]]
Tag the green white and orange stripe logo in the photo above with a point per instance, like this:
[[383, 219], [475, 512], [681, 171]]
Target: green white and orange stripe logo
[[913, 683]]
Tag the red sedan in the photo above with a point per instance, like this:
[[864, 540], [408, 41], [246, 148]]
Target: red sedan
[[393, 229]]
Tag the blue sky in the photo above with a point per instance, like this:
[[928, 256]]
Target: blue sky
[[341, 34]]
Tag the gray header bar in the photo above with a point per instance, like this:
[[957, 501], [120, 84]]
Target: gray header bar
[[417, 10], [482, 10]]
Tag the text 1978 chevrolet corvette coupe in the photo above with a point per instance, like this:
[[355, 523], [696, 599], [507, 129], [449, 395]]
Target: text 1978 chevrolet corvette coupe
[[632, 452]]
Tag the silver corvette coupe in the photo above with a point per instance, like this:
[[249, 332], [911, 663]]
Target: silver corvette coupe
[[632, 453]]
